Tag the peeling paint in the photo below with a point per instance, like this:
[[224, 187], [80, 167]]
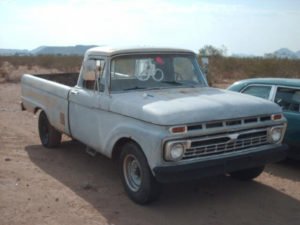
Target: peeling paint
[[62, 118]]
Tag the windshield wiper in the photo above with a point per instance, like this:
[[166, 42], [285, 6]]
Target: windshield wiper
[[134, 88], [171, 82], [180, 83]]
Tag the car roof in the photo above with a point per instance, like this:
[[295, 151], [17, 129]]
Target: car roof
[[270, 81], [109, 51]]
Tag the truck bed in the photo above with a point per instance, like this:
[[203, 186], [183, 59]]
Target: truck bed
[[69, 79], [49, 92]]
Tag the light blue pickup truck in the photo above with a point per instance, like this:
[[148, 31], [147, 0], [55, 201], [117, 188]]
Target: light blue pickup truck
[[152, 110]]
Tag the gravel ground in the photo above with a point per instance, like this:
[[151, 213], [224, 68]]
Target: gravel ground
[[67, 186]]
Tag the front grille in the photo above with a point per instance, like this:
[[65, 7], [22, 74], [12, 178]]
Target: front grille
[[229, 123], [232, 142]]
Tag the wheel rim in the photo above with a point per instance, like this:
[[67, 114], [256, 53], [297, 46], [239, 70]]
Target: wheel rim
[[132, 172]]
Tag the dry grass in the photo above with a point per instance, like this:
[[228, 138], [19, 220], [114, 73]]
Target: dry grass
[[64, 63], [12, 67], [222, 70], [230, 68]]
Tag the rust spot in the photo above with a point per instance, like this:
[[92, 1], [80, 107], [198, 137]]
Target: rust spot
[[188, 91]]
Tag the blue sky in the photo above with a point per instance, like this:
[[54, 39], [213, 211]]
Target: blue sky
[[250, 27]]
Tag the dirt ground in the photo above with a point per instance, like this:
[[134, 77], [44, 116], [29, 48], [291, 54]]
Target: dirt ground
[[67, 186]]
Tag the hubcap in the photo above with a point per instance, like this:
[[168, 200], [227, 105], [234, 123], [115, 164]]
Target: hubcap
[[132, 172]]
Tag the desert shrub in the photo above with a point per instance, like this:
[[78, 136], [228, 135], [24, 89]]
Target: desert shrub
[[242, 68], [62, 63], [3, 75], [220, 67]]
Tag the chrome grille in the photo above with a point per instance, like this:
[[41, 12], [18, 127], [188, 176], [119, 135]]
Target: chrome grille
[[229, 123], [225, 143]]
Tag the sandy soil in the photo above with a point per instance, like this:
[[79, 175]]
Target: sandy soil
[[67, 186]]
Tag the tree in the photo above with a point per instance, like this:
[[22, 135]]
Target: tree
[[209, 50]]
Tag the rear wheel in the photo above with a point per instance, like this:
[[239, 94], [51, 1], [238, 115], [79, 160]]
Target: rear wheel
[[49, 136], [138, 181], [247, 174]]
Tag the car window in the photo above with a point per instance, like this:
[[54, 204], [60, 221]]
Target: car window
[[92, 73], [258, 91], [288, 99]]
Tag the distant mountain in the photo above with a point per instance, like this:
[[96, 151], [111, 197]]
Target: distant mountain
[[36, 50], [284, 53], [13, 51], [67, 50], [81, 49], [49, 50]]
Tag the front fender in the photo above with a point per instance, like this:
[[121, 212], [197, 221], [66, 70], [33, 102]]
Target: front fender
[[147, 136]]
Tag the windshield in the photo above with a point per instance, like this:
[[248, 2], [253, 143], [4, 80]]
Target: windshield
[[154, 71]]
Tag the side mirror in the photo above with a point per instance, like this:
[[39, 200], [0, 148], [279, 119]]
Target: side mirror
[[204, 61], [98, 65]]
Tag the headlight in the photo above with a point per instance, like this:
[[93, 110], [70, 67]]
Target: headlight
[[174, 150], [275, 134]]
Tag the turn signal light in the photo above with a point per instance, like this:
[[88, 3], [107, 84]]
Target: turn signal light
[[181, 129], [277, 117]]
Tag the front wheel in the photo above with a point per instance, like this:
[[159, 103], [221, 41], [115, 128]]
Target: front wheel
[[49, 136], [247, 174], [138, 181]]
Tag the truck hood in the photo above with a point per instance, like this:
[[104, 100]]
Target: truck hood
[[189, 105]]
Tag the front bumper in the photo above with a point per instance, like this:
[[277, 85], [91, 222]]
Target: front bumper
[[210, 167]]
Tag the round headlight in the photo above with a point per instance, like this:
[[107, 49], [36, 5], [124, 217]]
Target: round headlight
[[176, 151], [276, 134]]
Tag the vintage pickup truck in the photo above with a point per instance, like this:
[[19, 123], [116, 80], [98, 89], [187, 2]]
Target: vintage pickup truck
[[152, 110]]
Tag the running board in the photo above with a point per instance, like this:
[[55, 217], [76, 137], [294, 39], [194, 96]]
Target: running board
[[90, 151]]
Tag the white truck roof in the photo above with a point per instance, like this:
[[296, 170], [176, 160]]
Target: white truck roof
[[109, 51]]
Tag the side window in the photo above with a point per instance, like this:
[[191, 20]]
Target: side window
[[124, 68], [288, 99], [258, 91], [92, 78]]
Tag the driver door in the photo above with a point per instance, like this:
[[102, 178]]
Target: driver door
[[86, 102]]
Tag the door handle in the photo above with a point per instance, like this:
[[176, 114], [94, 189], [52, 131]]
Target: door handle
[[74, 92]]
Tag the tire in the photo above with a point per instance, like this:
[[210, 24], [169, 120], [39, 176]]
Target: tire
[[136, 176], [50, 137], [247, 174]]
